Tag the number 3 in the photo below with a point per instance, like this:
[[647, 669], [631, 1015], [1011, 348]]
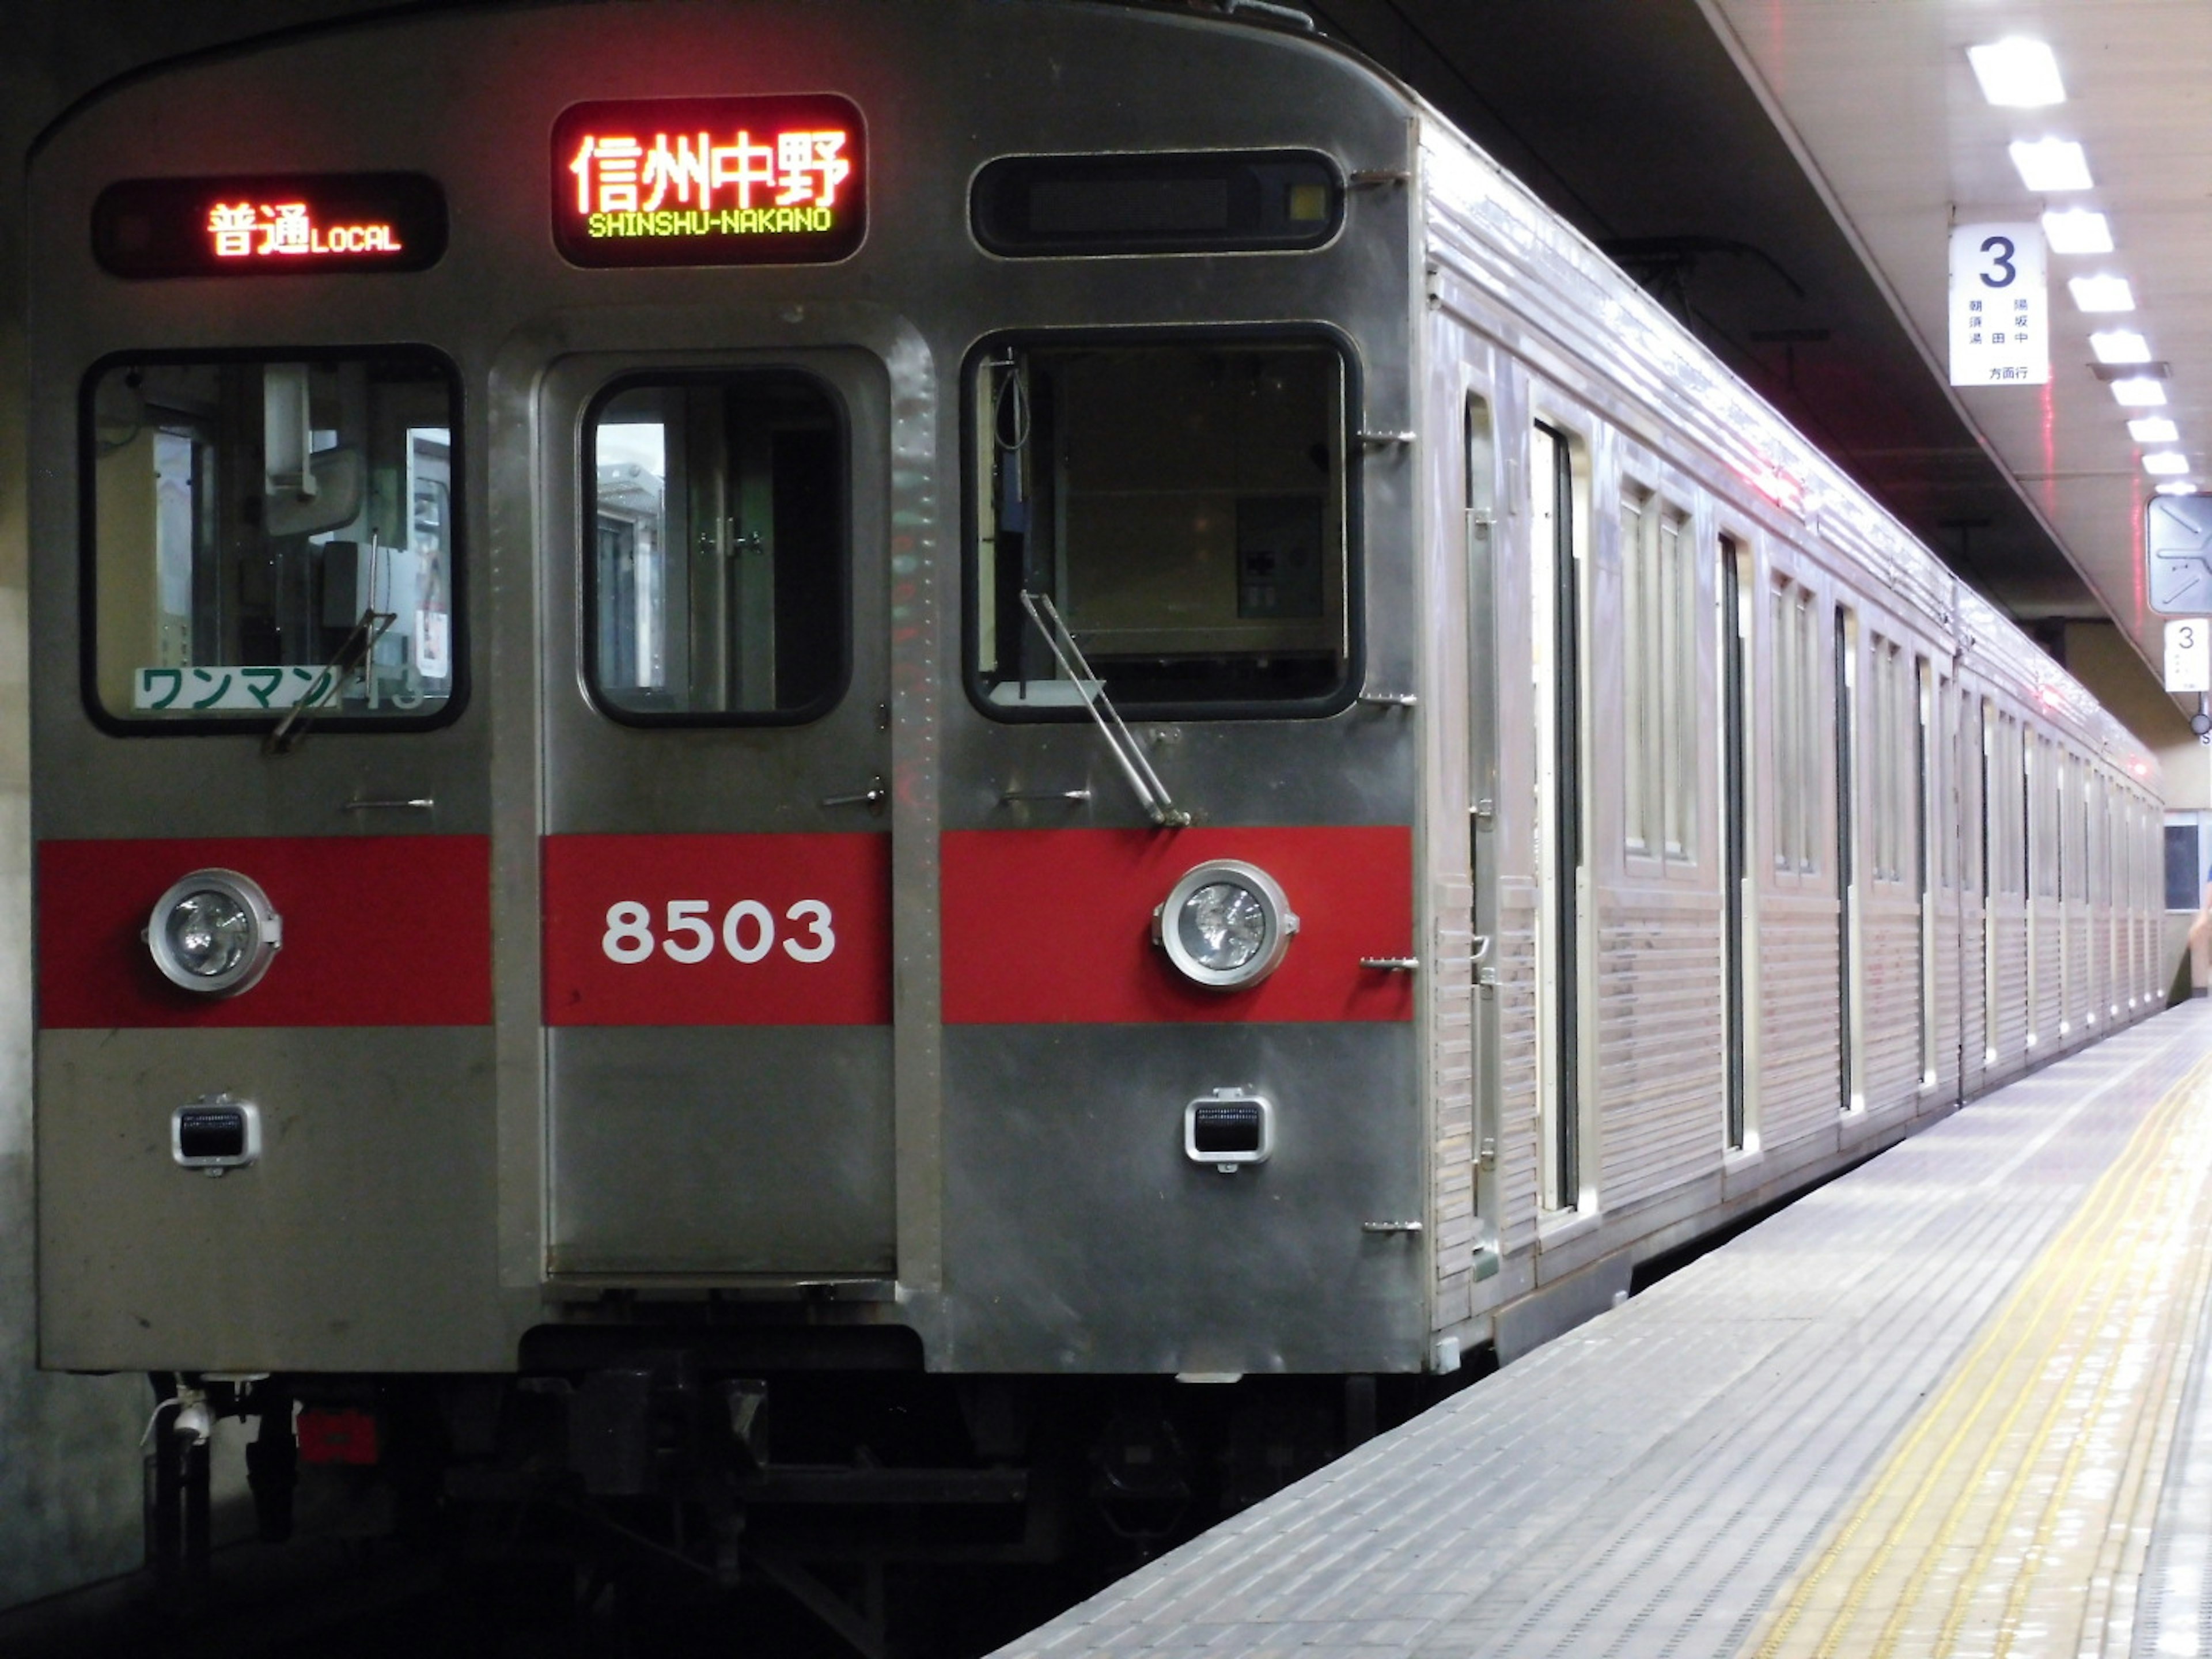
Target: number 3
[[816, 915], [2000, 250]]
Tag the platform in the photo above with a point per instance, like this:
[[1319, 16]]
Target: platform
[[1952, 1402]]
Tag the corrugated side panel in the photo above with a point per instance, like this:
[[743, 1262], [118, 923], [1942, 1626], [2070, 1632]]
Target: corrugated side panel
[[1451, 1059], [1890, 936], [1518, 1123], [2103, 988], [2046, 990], [2078, 987], [1797, 1092], [2008, 926], [1972, 1000], [1950, 1005], [1660, 1080]]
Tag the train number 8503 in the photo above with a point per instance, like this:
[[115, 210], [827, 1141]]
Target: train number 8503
[[748, 932]]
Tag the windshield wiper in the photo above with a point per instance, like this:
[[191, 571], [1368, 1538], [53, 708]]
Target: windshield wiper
[[351, 656], [1151, 793]]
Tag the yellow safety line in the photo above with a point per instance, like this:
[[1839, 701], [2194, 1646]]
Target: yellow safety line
[[2166, 1309], [2057, 1406], [2001, 1387], [2047, 1285], [2129, 1217], [1995, 1444]]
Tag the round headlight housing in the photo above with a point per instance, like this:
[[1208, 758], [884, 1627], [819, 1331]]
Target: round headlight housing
[[214, 932], [1225, 925]]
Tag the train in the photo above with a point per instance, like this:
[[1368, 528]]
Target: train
[[857, 787]]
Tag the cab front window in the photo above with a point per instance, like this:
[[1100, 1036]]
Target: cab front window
[[271, 534], [1183, 506]]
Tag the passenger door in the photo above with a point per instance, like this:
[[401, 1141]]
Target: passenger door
[[717, 864]]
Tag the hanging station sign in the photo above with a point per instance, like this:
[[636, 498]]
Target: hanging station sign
[[2000, 306], [710, 181], [270, 224]]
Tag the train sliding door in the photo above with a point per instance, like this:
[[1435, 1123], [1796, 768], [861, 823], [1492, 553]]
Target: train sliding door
[[1735, 837], [716, 866], [1563, 866]]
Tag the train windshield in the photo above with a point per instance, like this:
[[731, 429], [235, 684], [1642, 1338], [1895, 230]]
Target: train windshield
[[267, 534], [1184, 508], [715, 574]]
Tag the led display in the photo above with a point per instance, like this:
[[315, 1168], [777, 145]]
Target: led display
[[285, 224], [1204, 202], [709, 181]]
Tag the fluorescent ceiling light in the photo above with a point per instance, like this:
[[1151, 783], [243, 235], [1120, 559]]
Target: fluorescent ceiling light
[[2077, 230], [2139, 392], [2154, 429], [2052, 164], [2019, 73], [2178, 487], [2119, 345], [2166, 464], [2101, 294]]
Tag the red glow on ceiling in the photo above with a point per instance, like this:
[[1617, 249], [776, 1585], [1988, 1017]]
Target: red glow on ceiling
[[1777, 486]]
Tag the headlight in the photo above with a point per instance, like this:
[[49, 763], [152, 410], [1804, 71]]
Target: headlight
[[215, 933], [1225, 925]]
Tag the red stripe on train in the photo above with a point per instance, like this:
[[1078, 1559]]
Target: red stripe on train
[[379, 930], [718, 930], [1054, 927]]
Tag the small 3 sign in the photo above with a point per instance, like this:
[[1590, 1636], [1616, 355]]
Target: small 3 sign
[[2189, 654], [2000, 306]]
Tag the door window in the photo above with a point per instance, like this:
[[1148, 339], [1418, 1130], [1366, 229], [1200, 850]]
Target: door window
[[716, 564]]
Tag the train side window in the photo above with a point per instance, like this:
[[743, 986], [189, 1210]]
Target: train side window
[[715, 573], [269, 532], [1658, 589], [1799, 751], [1184, 507]]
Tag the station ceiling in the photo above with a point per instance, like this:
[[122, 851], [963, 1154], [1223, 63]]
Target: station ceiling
[[1782, 174]]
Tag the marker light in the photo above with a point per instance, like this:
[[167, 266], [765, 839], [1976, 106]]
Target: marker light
[[2052, 164], [2120, 345], [2077, 230], [1225, 925], [2154, 429], [2139, 392], [2165, 463], [214, 932], [2102, 293], [2018, 73], [2178, 487]]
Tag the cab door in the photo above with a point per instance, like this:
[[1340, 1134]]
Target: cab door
[[716, 865]]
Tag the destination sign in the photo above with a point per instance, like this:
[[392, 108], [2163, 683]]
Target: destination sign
[[709, 181], [279, 224]]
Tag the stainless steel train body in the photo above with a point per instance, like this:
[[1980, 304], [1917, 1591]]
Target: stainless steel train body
[[716, 913]]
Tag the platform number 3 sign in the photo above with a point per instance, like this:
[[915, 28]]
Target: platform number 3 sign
[[2000, 306], [2189, 654]]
